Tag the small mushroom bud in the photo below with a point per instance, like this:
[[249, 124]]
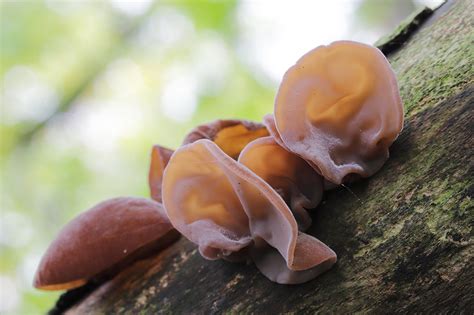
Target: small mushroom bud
[[224, 208], [296, 181], [339, 108], [159, 159], [102, 241], [229, 135]]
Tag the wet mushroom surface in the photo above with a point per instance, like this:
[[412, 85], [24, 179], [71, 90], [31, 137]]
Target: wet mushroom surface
[[230, 135], [238, 210], [104, 239], [159, 159], [339, 108], [292, 177]]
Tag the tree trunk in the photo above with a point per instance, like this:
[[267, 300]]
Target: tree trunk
[[404, 237]]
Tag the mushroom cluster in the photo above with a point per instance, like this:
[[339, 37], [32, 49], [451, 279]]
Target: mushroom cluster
[[242, 190]]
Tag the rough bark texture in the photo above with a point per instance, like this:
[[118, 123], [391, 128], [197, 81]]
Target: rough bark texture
[[404, 237]]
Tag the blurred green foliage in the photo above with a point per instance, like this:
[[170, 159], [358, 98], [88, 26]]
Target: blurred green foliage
[[49, 176], [89, 86], [374, 13]]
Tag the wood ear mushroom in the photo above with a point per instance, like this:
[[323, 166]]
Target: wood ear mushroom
[[103, 240], [238, 210], [339, 108], [159, 159], [229, 135], [242, 190], [295, 180]]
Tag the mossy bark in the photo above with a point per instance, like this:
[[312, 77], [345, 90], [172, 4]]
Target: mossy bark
[[404, 237]]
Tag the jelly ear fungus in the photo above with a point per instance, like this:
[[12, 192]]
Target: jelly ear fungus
[[238, 213], [339, 108], [229, 135], [102, 241], [288, 174], [159, 159]]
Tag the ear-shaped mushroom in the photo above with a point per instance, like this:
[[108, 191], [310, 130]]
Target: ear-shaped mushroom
[[269, 122], [339, 108], [159, 159], [229, 135], [224, 207], [296, 181], [103, 240]]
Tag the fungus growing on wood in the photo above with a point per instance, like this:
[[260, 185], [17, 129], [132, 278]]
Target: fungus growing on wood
[[269, 122], [104, 240], [230, 135], [292, 178], [159, 159], [339, 108], [240, 189], [225, 208]]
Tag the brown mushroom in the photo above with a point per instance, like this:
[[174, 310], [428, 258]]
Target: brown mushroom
[[269, 122], [296, 181], [102, 241], [339, 108], [223, 207], [230, 135], [159, 159]]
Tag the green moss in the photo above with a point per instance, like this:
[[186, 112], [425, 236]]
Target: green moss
[[438, 62], [404, 29], [466, 204]]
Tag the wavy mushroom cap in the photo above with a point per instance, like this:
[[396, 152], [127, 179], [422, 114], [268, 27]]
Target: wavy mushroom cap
[[339, 108], [159, 159], [288, 174], [224, 207], [101, 238], [269, 122], [230, 135]]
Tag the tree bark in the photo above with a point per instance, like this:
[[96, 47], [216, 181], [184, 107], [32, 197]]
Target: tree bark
[[404, 237]]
